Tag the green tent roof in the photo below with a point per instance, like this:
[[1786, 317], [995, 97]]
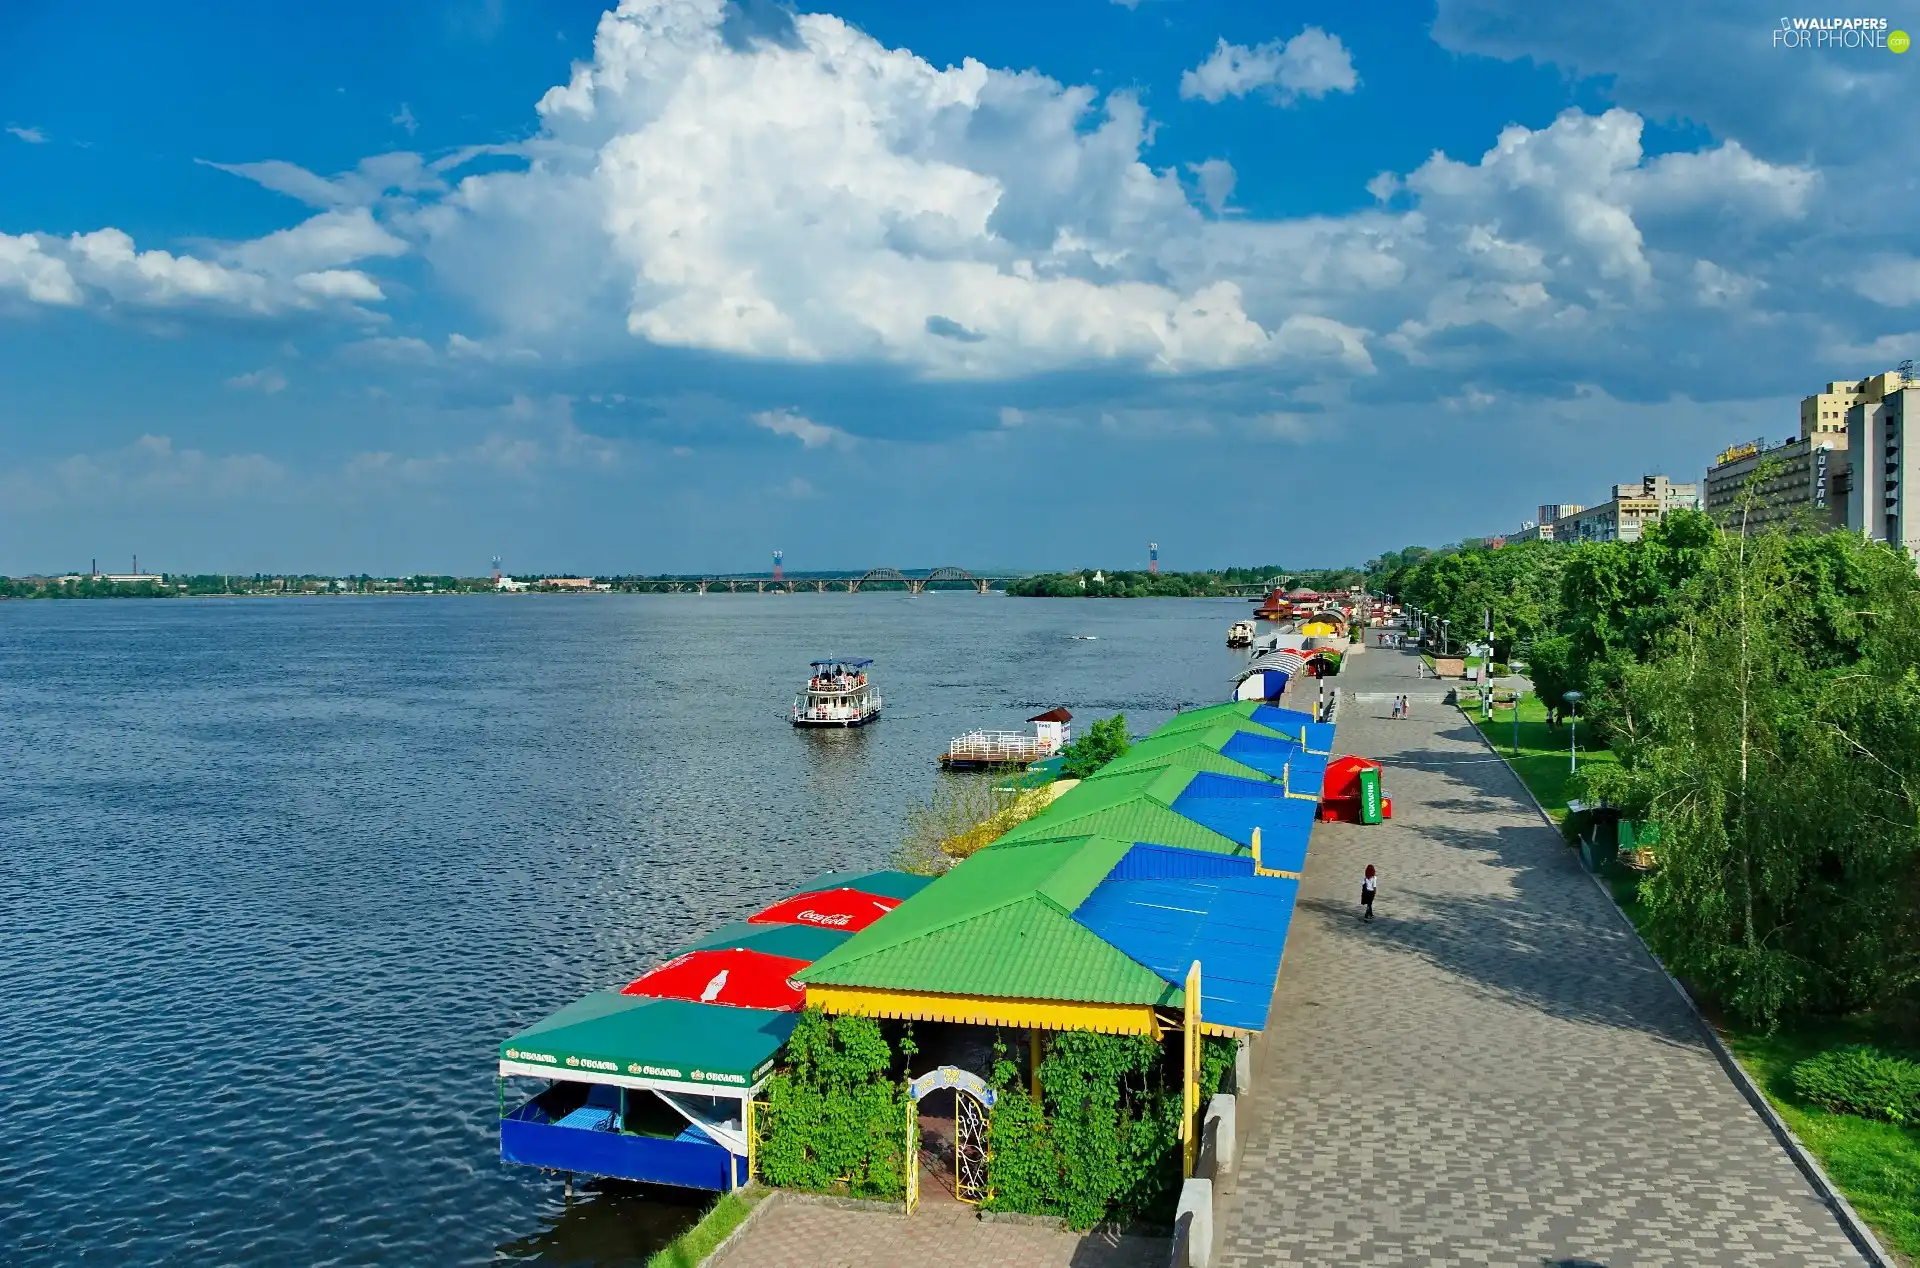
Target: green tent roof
[[1000, 924], [885, 884], [608, 1036], [1195, 750], [1236, 715], [1130, 806]]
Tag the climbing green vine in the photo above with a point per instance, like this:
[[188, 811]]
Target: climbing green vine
[[837, 1117], [1103, 1140]]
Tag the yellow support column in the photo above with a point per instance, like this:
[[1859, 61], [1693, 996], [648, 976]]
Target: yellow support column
[[1190, 1086], [1259, 868]]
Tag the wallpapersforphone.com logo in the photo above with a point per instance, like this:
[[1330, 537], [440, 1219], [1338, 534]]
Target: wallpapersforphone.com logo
[[1839, 33]]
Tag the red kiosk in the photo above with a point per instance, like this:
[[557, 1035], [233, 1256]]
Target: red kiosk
[[1352, 792]]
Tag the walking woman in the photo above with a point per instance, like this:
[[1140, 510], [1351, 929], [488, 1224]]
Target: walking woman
[[1369, 885]]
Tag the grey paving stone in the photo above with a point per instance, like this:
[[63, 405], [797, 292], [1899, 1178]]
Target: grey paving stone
[[1491, 1072]]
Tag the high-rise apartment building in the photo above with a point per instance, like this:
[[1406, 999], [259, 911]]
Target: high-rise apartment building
[[1800, 483], [1883, 500], [1807, 481], [1626, 515], [1551, 511]]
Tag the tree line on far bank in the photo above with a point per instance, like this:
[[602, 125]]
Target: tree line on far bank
[[1140, 584], [1762, 692]]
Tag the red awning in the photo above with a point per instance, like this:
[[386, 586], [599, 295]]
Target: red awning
[[1343, 777], [743, 979], [1052, 715], [847, 909]]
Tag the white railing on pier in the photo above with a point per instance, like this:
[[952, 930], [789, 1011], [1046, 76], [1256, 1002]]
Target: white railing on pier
[[999, 747]]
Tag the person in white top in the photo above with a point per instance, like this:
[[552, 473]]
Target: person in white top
[[1369, 886]]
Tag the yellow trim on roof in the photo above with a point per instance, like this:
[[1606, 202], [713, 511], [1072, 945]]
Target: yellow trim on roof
[[977, 1010]]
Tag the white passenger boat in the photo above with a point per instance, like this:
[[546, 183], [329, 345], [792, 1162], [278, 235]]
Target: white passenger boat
[[1240, 634], [837, 694]]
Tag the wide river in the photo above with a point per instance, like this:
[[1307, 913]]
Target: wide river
[[277, 876]]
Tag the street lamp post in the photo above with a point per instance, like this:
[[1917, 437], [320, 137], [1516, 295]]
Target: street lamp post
[[1573, 699]]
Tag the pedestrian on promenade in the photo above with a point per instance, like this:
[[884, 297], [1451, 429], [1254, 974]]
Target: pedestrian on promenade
[[1406, 707], [1369, 886], [1396, 708]]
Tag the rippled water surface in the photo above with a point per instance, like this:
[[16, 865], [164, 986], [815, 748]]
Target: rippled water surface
[[279, 875]]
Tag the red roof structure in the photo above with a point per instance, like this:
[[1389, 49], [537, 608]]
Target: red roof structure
[[1052, 715], [1343, 777], [848, 909], [739, 978]]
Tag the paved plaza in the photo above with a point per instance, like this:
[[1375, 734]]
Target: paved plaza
[[801, 1235], [1492, 1072]]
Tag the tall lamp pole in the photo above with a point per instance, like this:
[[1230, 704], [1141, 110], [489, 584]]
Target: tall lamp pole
[[1573, 699]]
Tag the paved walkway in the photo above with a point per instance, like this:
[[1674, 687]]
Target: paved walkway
[[1492, 1072], [797, 1234]]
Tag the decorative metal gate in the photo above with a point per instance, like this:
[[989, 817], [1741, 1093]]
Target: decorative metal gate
[[969, 1147], [973, 1097], [913, 1155]]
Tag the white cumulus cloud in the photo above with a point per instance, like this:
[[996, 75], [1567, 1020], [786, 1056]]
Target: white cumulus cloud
[[1311, 64], [789, 422], [822, 197], [268, 380]]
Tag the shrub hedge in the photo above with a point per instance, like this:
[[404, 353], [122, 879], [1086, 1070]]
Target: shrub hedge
[[1864, 1080]]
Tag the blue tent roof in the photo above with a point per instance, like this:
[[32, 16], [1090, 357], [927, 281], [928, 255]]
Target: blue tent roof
[[1265, 753], [1235, 807], [1149, 862], [851, 662], [1316, 736], [1236, 926]]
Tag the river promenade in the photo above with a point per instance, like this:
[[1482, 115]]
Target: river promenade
[[1493, 1071]]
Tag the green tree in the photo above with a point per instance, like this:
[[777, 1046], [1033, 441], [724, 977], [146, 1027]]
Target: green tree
[[1104, 741], [1774, 735]]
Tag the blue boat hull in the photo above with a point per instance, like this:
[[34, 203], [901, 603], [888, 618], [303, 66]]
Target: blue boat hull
[[684, 1162]]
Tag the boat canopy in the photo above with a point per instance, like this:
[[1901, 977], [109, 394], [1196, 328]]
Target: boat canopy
[[636, 1041], [850, 662]]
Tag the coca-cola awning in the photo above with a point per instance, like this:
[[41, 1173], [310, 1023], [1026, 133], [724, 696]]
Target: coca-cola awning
[[732, 976], [848, 909]]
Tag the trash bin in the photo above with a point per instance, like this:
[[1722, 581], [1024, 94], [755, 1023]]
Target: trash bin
[[1369, 795]]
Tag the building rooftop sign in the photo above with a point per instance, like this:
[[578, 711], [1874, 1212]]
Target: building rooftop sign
[[1734, 453]]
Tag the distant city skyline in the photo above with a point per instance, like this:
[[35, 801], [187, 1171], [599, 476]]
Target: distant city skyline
[[393, 289]]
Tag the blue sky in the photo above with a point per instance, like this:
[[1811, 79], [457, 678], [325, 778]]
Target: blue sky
[[396, 288]]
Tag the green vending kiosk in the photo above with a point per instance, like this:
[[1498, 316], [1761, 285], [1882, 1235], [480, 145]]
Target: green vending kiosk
[[1369, 795]]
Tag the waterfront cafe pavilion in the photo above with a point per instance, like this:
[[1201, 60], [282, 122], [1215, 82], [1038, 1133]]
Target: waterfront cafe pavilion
[[651, 1082], [1089, 915]]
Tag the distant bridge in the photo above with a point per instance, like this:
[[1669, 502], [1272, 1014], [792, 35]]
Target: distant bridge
[[873, 578]]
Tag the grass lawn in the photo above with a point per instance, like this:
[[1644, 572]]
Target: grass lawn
[[1542, 763], [1471, 662], [694, 1245], [1877, 1165]]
